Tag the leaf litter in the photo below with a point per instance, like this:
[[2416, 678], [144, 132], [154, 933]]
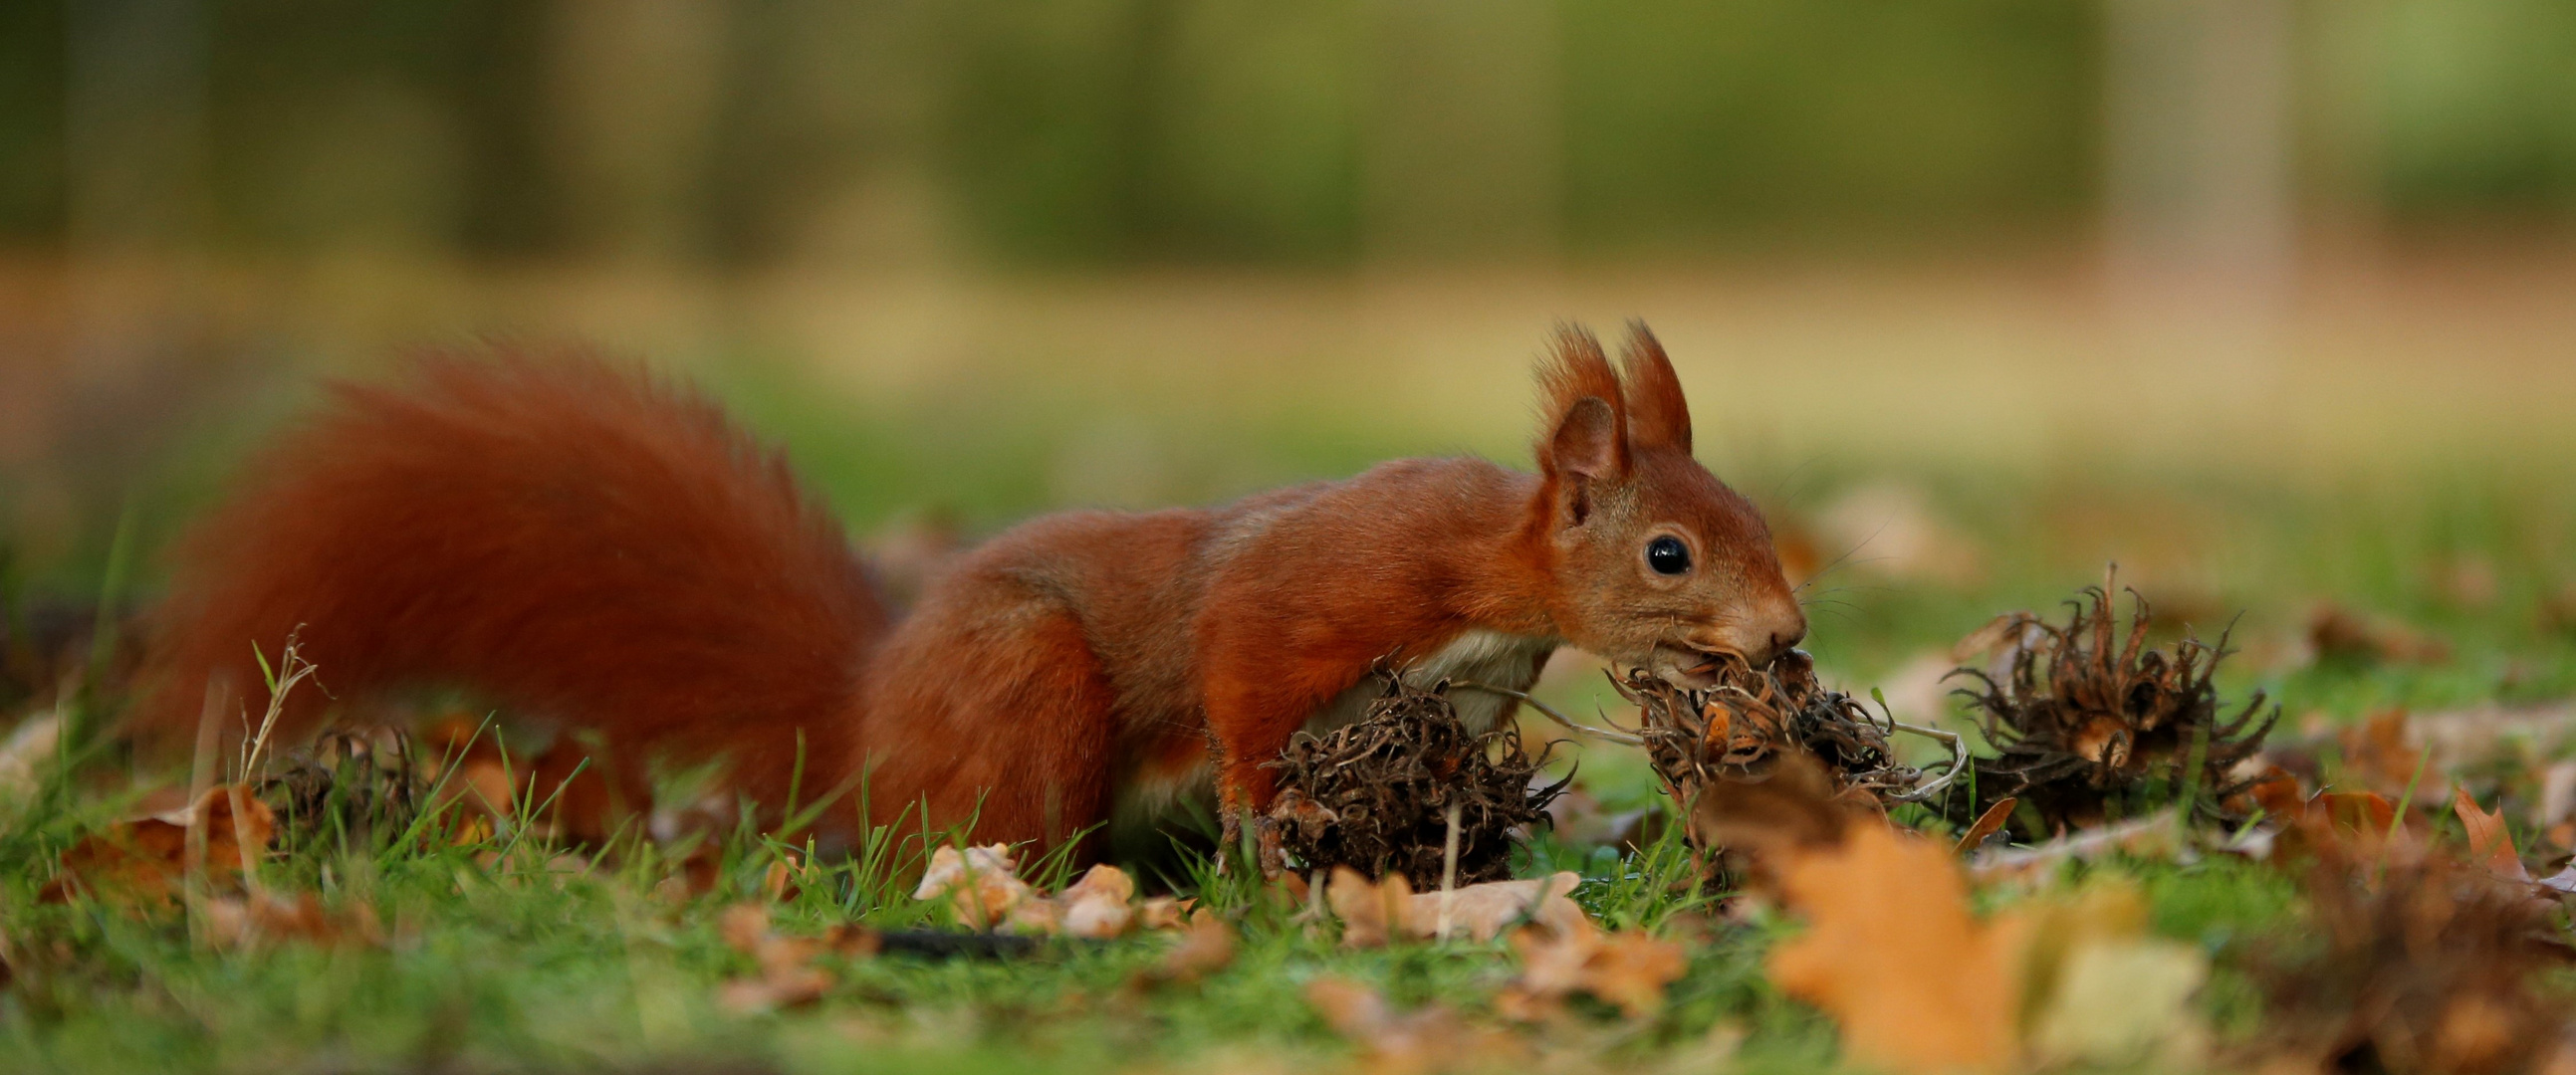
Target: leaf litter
[[1916, 982], [2423, 963], [982, 887], [1796, 778]]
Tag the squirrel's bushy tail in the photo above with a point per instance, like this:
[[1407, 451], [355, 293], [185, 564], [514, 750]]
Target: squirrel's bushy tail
[[546, 531]]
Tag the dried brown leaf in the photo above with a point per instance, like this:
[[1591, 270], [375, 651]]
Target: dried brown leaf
[[263, 918], [2428, 964], [1483, 911], [1429, 1039], [2341, 633], [144, 861], [1372, 913], [1097, 906], [785, 975], [981, 884], [2490, 844], [1205, 948], [1628, 968], [1987, 824], [1797, 805], [1163, 912]]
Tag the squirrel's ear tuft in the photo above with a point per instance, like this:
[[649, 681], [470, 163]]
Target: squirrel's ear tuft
[[1658, 416], [1587, 420]]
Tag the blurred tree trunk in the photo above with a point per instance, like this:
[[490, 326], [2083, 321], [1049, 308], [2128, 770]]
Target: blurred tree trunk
[[632, 99], [136, 198], [2198, 196], [1462, 153], [134, 341]]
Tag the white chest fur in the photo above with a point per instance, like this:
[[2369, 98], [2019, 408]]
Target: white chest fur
[[1479, 656]]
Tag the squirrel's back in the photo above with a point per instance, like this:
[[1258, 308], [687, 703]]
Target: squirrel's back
[[555, 534]]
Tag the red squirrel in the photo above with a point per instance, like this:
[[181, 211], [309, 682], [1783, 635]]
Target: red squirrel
[[578, 542]]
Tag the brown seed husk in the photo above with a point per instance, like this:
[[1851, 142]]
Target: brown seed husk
[[1375, 795], [358, 784], [2086, 723], [2423, 964], [1739, 730]]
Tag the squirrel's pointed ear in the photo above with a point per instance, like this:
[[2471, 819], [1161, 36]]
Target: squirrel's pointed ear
[[1587, 431], [1586, 444], [1658, 416]]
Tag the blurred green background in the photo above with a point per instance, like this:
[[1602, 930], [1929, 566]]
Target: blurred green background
[[1087, 133], [2273, 301]]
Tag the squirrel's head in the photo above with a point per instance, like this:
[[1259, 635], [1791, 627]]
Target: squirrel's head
[[1657, 564]]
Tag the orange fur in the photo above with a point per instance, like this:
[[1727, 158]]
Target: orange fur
[[576, 543], [564, 537]]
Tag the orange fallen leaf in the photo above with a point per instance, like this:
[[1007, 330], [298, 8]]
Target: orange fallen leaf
[[144, 860], [265, 918], [1097, 907], [2490, 843], [778, 883], [1374, 913], [786, 976], [1626, 968], [1205, 948], [1163, 912], [2382, 753], [1430, 1038], [1892, 954], [2275, 792], [2336, 631], [981, 883], [1987, 824]]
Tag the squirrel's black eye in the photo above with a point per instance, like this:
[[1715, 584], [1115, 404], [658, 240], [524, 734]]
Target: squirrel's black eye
[[1667, 555]]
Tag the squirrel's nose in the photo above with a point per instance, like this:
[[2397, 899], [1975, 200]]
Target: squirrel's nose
[[1772, 634]]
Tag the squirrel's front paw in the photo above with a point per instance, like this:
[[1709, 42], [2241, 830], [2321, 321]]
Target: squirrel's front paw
[[1267, 849], [1271, 849]]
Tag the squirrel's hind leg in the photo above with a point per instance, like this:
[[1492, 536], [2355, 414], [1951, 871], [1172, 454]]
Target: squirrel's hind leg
[[1002, 717]]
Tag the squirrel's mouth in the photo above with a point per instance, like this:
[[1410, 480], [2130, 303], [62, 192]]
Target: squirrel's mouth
[[1689, 666]]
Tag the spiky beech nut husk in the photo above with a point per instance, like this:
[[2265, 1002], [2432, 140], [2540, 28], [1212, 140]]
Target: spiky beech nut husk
[[1375, 795], [1738, 729], [2086, 721]]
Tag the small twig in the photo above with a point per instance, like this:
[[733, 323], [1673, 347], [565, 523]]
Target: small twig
[[2141, 836], [1958, 761], [1448, 871], [1611, 735]]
